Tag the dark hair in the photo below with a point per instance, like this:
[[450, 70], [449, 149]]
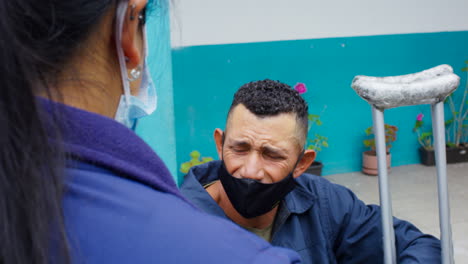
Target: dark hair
[[271, 98], [37, 40]]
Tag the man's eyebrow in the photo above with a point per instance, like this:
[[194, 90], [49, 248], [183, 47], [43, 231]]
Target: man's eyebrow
[[239, 143], [270, 149], [277, 151]]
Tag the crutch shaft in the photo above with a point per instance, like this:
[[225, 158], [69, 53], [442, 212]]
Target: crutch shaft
[[438, 126], [384, 192]]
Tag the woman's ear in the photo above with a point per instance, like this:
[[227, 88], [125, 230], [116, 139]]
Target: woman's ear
[[218, 137], [305, 162], [132, 37]]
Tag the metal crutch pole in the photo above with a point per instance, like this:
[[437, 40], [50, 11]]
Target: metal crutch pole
[[384, 190], [438, 126]]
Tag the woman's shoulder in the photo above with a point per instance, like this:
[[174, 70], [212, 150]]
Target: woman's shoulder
[[112, 219]]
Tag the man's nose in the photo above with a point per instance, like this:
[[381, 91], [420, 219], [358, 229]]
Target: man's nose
[[252, 168]]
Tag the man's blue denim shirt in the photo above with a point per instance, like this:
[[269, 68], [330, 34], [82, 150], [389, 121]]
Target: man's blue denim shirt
[[325, 222]]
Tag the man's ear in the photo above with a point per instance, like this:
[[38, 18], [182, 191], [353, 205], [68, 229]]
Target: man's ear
[[218, 137], [132, 38], [305, 162]]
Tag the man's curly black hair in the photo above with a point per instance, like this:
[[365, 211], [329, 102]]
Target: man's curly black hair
[[270, 98]]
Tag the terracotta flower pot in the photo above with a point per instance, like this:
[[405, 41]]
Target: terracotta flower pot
[[369, 163]]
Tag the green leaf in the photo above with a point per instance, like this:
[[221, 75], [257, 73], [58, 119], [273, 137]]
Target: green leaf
[[417, 125], [318, 122], [185, 167], [195, 154], [425, 135], [452, 145], [325, 144], [465, 69], [194, 161], [313, 117], [207, 159], [368, 142]]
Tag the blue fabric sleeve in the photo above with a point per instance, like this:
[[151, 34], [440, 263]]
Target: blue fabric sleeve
[[115, 220], [357, 233]]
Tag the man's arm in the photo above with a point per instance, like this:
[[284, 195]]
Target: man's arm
[[357, 233]]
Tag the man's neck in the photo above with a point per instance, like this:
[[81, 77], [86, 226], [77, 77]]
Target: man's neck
[[218, 194]]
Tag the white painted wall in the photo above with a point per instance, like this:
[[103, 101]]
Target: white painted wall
[[202, 22]]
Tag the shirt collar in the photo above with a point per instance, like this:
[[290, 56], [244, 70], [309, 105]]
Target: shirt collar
[[192, 187]]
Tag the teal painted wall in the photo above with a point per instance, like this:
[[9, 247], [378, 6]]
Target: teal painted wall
[[206, 77], [158, 129]]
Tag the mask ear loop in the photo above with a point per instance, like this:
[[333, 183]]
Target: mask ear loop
[[120, 17], [298, 160], [222, 146], [300, 157]]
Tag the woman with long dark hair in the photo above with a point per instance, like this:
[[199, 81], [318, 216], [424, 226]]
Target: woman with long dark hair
[[76, 183]]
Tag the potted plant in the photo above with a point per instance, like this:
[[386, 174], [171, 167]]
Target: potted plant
[[456, 133], [454, 153], [194, 161], [369, 157], [318, 141], [426, 151], [457, 127]]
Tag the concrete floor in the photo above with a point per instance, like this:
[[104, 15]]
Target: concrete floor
[[414, 198]]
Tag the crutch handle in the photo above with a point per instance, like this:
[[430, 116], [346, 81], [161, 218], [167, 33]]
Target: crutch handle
[[427, 87]]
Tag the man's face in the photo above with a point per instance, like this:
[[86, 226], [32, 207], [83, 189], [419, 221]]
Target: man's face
[[263, 149]]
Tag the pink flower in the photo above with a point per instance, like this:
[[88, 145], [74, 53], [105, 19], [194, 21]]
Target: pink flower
[[300, 88], [420, 117]]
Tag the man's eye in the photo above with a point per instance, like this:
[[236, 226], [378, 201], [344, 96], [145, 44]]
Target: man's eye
[[273, 156], [238, 150]]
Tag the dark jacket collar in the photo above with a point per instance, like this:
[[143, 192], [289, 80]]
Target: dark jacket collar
[[192, 187], [297, 201], [103, 142]]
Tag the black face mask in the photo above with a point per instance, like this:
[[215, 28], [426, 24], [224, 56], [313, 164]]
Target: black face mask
[[252, 198]]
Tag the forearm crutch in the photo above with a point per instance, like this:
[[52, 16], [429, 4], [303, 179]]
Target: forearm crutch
[[431, 86]]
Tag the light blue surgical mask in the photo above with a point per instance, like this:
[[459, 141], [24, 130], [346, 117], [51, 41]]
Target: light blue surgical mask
[[132, 107]]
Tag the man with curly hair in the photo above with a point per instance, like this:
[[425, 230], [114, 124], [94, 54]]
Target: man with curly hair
[[259, 183]]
